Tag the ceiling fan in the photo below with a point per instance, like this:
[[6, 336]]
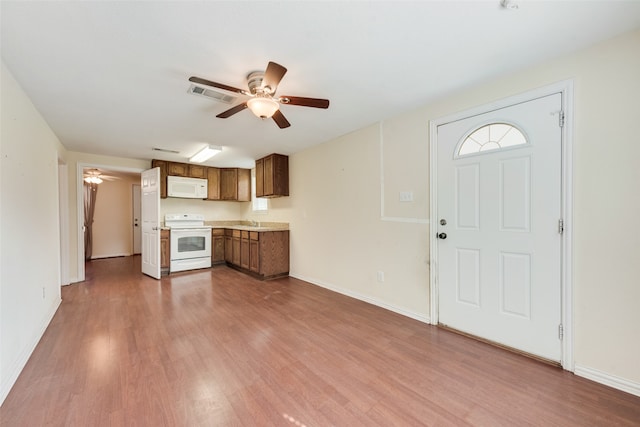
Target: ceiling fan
[[263, 102], [95, 176]]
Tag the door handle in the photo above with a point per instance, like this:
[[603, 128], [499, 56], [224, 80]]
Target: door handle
[[442, 236]]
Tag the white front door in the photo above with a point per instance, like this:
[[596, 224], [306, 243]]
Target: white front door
[[150, 207], [498, 211]]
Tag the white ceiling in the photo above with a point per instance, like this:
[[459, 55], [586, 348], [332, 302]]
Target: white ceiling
[[110, 77]]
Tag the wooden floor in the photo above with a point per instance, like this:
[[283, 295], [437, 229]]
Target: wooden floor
[[218, 348]]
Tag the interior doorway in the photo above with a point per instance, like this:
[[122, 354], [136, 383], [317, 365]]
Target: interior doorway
[[117, 235]]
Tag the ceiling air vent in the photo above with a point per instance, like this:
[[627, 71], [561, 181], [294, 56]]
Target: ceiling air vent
[[218, 96]]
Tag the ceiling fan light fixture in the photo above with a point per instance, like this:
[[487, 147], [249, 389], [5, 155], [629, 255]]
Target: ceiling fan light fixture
[[205, 154], [93, 180], [263, 107]]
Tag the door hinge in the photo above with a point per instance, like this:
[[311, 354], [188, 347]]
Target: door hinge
[[560, 226], [560, 331], [561, 119]]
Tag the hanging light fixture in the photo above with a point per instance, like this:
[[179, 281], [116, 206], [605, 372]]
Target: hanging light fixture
[[263, 107], [205, 154], [93, 179]]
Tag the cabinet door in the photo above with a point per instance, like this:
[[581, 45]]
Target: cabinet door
[[163, 176], [244, 250], [197, 171], [254, 256], [280, 175], [228, 249], [213, 178], [217, 246], [259, 177], [229, 184], [268, 176], [244, 185], [178, 169], [164, 249], [236, 251]]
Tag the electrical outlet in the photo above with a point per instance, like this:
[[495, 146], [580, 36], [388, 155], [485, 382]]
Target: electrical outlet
[[43, 292], [380, 276]]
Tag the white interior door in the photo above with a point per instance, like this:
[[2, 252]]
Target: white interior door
[[499, 207], [137, 230], [150, 211]]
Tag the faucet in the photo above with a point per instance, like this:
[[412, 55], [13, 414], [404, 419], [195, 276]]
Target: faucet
[[253, 223]]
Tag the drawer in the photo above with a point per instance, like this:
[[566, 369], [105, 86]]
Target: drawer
[[228, 232], [164, 234], [217, 231], [245, 234], [254, 235], [236, 233]]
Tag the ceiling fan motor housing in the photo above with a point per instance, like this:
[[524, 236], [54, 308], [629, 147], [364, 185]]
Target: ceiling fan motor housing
[[254, 81]]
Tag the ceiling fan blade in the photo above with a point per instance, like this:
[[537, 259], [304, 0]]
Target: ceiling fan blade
[[305, 102], [280, 120], [232, 111], [218, 85], [272, 75]]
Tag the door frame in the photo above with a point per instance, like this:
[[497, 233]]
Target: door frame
[[133, 207], [80, 207], [564, 87]]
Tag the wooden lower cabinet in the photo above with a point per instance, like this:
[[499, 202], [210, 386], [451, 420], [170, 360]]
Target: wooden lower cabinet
[[228, 246], [235, 248], [263, 254], [165, 252], [217, 246], [244, 249], [254, 252]]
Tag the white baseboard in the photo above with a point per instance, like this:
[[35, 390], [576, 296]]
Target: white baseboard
[[608, 379], [373, 301], [21, 361], [110, 256]]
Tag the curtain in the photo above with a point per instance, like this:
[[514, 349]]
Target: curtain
[[90, 192]]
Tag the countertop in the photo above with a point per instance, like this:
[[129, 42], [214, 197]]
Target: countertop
[[245, 225]]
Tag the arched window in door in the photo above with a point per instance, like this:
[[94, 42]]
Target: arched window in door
[[494, 136]]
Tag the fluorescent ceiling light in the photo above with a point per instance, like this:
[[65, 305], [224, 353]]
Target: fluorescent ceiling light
[[263, 107], [205, 154]]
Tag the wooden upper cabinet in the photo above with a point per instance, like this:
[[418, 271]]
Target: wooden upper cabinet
[[213, 184], [235, 184], [223, 183], [198, 171], [162, 164], [272, 176], [244, 185], [229, 184], [178, 169]]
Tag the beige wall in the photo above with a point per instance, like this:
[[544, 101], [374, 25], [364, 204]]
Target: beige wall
[[340, 240], [212, 210], [29, 228]]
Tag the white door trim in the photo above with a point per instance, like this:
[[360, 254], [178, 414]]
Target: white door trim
[[566, 89], [80, 207]]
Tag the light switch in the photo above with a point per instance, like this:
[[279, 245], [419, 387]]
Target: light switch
[[406, 196]]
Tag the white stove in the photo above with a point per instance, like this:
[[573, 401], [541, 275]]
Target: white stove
[[190, 241]]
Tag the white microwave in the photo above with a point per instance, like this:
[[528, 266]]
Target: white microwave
[[187, 188]]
